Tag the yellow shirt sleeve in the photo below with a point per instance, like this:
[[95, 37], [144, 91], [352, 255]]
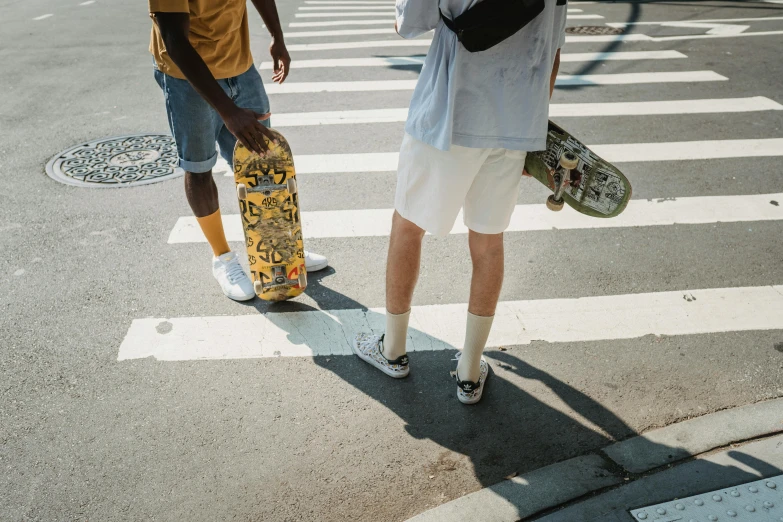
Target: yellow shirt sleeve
[[169, 6]]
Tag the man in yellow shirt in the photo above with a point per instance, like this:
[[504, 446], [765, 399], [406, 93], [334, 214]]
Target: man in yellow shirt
[[214, 94]]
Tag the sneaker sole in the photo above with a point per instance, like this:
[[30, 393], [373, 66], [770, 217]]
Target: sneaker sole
[[369, 360], [318, 267], [470, 401], [240, 299]]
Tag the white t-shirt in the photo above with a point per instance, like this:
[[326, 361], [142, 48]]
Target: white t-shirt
[[498, 98]]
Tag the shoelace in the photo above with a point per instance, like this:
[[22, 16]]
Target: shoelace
[[234, 271]]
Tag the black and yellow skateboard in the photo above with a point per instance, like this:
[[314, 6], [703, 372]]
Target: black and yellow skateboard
[[269, 204]]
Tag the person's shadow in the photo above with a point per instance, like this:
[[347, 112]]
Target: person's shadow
[[509, 432]]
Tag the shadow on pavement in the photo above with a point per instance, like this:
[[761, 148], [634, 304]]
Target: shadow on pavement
[[510, 431]]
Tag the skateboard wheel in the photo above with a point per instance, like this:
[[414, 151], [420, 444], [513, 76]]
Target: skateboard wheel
[[258, 287], [553, 204], [292, 186], [568, 160], [242, 191], [303, 280]]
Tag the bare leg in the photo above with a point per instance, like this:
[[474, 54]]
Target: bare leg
[[486, 251], [202, 193], [402, 272], [402, 264]]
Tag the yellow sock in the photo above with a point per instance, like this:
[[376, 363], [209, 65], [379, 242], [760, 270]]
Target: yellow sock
[[212, 226]]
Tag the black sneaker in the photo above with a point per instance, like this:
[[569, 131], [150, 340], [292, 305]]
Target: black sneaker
[[469, 392]]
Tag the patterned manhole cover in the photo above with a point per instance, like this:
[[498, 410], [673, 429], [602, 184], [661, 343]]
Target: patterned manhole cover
[[593, 30], [124, 161]]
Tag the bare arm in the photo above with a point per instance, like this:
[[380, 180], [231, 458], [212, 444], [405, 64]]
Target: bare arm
[[242, 123], [280, 57], [553, 78]]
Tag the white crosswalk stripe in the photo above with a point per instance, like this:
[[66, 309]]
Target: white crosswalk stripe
[[574, 110], [441, 327], [419, 60], [614, 153], [526, 218], [420, 42], [437, 326]]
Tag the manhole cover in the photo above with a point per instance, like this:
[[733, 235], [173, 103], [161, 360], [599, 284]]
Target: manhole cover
[[593, 30], [124, 161]]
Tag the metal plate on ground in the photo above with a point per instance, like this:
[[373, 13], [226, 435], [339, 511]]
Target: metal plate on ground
[[759, 501], [122, 161], [593, 30]]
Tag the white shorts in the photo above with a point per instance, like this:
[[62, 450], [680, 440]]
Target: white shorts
[[433, 185]]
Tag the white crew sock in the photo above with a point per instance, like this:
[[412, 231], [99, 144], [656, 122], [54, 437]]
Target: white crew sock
[[476, 334], [396, 334]]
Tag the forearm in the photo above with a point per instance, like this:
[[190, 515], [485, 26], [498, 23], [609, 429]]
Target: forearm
[[553, 77], [268, 11]]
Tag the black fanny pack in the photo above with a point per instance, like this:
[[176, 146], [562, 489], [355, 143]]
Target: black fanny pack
[[489, 22]]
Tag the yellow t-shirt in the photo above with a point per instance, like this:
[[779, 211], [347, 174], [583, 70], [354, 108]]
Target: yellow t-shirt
[[218, 32]]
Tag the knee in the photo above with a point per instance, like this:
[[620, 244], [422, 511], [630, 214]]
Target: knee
[[403, 228], [482, 245]]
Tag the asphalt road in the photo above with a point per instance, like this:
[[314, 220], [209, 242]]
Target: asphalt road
[[85, 436]]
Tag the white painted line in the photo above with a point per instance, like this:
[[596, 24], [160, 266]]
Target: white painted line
[[615, 153], [575, 11], [305, 119], [389, 8], [705, 36], [341, 14], [442, 327], [359, 45], [418, 60], [88, 2], [371, 44], [348, 2], [339, 32], [340, 23], [706, 106], [575, 110], [397, 85], [352, 62], [690, 150], [302, 87], [584, 17], [42, 17], [713, 20], [639, 78], [381, 21], [526, 218]]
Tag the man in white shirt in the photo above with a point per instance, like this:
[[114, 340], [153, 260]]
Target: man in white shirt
[[472, 119]]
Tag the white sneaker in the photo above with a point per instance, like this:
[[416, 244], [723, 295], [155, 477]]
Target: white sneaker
[[315, 262], [232, 278], [369, 347]]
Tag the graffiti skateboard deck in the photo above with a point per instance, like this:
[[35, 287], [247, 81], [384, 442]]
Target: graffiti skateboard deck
[[577, 176], [269, 205]]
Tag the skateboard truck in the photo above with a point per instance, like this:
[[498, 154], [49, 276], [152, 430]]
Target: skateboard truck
[[562, 178]]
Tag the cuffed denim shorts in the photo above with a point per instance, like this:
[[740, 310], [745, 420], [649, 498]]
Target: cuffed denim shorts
[[196, 126]]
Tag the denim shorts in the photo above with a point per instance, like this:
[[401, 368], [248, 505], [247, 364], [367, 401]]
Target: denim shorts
[[196, 126]]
